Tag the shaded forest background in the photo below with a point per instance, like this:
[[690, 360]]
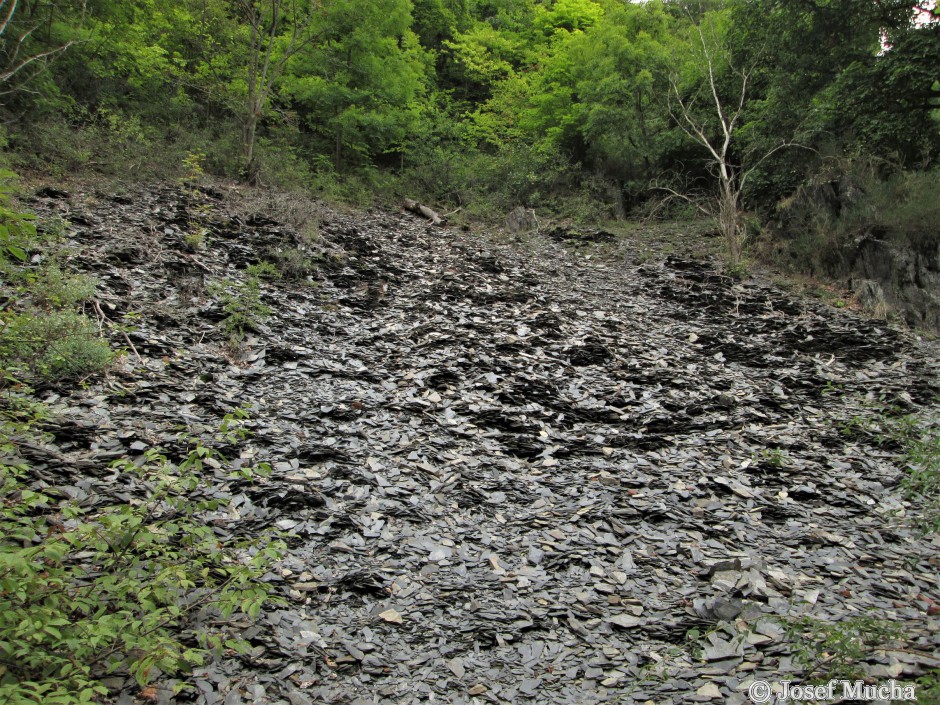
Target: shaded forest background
[[591, 110]]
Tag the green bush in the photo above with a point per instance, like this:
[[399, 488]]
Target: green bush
[[87, 593], [17, 229], [241, 303], [852, 199], [53, 288], [41, 338], [291, 262], [281, 165], [919, 437], [52, 345], [489, 185], [837, 649]]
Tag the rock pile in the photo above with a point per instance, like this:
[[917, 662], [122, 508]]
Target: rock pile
[[509, 477]]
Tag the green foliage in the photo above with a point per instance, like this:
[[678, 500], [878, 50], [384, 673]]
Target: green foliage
[[103, 140], [241, 302], [928, 687], [193, 170], [51, 288], [291, 262], [52, 346], [17, 229], [197, 210], [358, 87], [43, 339], [774, 457], [738, 270], [564, 101], [89, 592], [835, 650], [919, 437]]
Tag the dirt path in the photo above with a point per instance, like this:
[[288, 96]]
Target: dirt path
[[515, 477]]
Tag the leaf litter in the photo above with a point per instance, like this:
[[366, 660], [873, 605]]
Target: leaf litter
[[506, 476]]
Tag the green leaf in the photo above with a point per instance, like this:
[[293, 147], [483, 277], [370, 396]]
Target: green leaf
[[18, 252]]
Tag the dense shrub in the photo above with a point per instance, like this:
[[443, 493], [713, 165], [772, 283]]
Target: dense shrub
[[853, 199], [52, 346], [90, 592]]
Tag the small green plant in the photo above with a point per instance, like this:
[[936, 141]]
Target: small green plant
[[195, 240], [87, 593], [835, 650], [738, 270], [919, 437], [197, 210], [263, 270], [41, 338], [193, 170], [774, 457], [51, 346], [857, 426], [17, 229], [51, 288], [291, 262], [928, 687], [241, 303], [694, 639]]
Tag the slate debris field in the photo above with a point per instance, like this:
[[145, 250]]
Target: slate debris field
[[508, 475]]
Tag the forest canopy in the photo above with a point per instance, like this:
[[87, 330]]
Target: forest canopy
[[585, 108]]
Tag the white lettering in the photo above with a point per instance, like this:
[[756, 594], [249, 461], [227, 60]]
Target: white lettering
[[852, 691], [892, 690]]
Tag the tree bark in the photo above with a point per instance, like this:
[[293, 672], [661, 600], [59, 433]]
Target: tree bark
[[424, 211]]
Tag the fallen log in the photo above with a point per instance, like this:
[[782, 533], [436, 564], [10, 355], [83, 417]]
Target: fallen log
[[424, 211]]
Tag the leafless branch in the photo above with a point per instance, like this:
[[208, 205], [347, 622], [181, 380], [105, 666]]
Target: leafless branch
[[9, 14], [731, 179], [15, 65], [10, 73]]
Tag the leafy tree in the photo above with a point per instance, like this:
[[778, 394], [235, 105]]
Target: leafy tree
[[821, 73], [438, 20], [482, 57], [891, 104], [621, 75], [277, 30], [359, 86]]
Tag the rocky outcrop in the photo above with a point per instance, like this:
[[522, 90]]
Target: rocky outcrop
[[888, 275]]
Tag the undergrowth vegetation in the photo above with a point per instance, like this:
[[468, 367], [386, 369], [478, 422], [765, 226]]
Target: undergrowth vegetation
[[118, 588], [919, 437], [848, 201], [915, 438], [43, 336], [94, 586], [836, 650], [241, 302]]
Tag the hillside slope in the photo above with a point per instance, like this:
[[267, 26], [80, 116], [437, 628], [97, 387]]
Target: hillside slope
[[508, 476]]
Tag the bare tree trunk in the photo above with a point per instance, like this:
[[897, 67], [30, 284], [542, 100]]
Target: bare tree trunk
[[252, 171], [731, 177], [338, 149]]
